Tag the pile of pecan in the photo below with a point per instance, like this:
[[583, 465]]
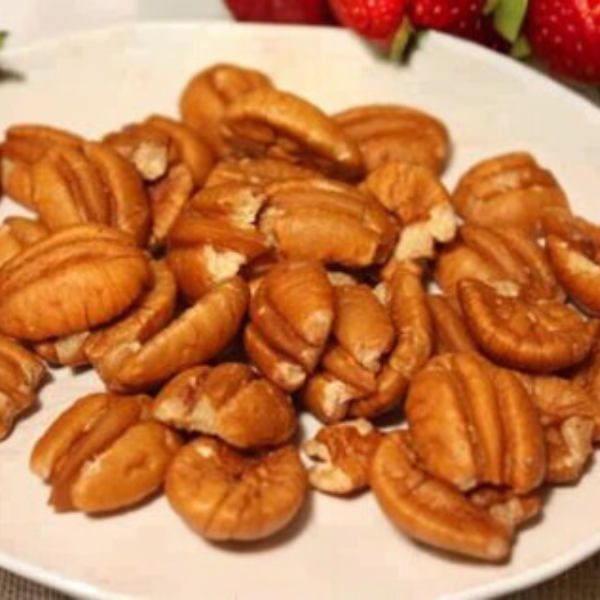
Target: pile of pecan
[[260, 258]]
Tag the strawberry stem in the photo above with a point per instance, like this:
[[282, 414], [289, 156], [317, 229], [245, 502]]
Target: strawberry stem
[[508, 18], [401, 40]]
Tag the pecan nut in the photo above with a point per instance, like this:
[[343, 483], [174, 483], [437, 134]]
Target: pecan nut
[[230, 402], [533, 335], [23, 147], [511, 190], [209, 93], [451, 332], [292, 312], [267, 122], [495, 255], [21, 374], [320, 219], [396, 133], [472, 424], [72, 281], [197, 335], [420, 204], [342, 454], [224, 495], [100, 455], [94, 184], [431, 510]]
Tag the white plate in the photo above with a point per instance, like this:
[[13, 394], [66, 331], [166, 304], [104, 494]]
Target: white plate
[[95, 82]]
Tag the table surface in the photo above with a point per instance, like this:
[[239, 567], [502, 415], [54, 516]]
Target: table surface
[[28, 20]]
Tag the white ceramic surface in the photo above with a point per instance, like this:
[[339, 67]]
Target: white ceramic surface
[[338, 549]]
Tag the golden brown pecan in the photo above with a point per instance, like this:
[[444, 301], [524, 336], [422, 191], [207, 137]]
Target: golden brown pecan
[[94, 184], [451, 332], [430, 510], [267, 122], [472, 423], [230, 402], [569, 449], [18, 233], [510, 190], [24, 146], [21, 374], [396, 133], [320, 219], [493, 255], [420, 204], [197, 335], [224, 495], [101, 455], [342, 454], [292, 311], [209, 93], [215, 236], [150, 314], [257, 171], [533, 335], [72, 281]]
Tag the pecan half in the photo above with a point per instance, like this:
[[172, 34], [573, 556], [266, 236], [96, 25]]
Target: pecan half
[[197, 335], [209, 93], [72, 281], [94, 184], [420, 204], [21, 374], [320, 219], [23, 147], [533, 335], [511, 190], [100, 455], [396, 133], [342, 454], [430, 510], [230, 402], [292, 312], [224, 495], [267, 122], [494, 255], [472, 423]]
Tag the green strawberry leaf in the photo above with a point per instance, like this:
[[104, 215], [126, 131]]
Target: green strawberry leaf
[[490, 6], [508, 18], [401, 41], [3, 36], [521, 48]]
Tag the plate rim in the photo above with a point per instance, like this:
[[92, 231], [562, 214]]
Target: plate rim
[[505, 585]]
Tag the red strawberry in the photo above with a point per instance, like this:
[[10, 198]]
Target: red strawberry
[[566, 34], [463, 18], [309, 12], [374, 19]]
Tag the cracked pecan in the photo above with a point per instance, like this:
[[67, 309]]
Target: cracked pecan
[[224, 495]]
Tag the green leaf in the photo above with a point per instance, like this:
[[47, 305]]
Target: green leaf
[[401, 40], [521, 48], [508, 18], [3, 36], [490, 6]]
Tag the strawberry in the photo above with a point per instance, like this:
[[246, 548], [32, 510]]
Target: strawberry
[[307, 12], [463, 18], [566, 35], [374, 19]]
